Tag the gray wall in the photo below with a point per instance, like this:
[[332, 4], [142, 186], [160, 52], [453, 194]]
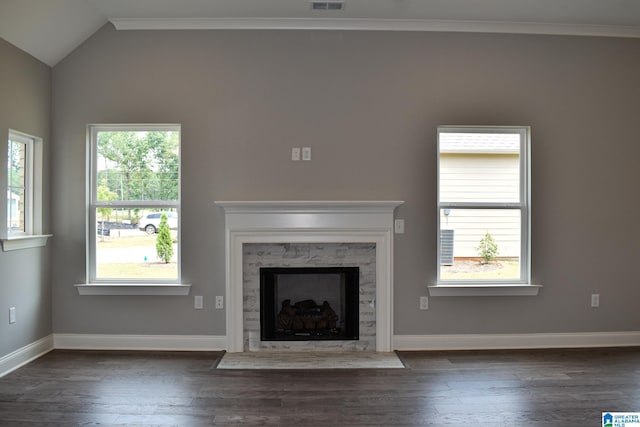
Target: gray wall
[[368, 103], [25, 283]]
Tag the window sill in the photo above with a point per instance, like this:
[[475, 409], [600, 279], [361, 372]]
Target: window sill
[[24, 242], [483, 290], [133, 289]]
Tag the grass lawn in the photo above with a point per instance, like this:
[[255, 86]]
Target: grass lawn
[[116, 256], [138, 271]]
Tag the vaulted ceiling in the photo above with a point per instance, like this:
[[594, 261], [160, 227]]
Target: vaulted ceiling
[[50, 29]]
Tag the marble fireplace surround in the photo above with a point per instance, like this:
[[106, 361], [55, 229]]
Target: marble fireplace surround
[[249, 222]]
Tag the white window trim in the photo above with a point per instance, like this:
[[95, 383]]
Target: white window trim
[[33, 235], [94, 286], [523, 285]]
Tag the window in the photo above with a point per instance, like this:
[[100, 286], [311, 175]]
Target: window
[[134, 209], [483, 206], [19, 184], [22, 210]]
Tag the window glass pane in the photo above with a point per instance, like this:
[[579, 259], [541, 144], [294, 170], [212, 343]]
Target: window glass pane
[[16, 209], [130, 245], [137, 165], [16, 161], [480, 244], [480, 167], [16, 158]]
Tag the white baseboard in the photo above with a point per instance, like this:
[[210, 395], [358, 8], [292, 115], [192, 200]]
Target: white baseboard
[[140, 342], [515, 341], [26, 354]]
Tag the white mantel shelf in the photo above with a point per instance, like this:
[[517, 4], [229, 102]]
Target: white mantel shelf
[[309, 206], [309, 222], [311, 215]]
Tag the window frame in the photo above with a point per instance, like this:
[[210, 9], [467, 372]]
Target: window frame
[[521, 285], [32, 236], [114, 286]]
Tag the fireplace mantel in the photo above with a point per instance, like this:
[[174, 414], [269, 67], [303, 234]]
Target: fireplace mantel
[[356, 215], [306, 206], [309, 222]]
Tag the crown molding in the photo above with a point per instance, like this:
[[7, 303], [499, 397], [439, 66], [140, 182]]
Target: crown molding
[[374, 25]]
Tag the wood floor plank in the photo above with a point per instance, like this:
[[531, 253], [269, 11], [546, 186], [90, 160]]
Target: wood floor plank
[[463, 388]]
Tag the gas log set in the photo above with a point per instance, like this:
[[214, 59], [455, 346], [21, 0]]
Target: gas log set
[[307, 318]]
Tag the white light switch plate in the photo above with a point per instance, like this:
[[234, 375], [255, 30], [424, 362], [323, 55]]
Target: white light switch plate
[[198, 302]]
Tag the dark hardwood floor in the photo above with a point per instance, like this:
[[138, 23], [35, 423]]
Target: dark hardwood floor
[[470, 388]]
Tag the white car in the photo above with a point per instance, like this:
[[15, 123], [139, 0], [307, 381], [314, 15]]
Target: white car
[[151, 221]]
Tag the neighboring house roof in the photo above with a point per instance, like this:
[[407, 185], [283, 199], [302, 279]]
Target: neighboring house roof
[[480, 143]]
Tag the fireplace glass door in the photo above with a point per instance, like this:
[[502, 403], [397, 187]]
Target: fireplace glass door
[[317, 303]]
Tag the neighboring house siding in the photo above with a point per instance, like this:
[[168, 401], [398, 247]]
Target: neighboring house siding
[[479, 177], [12, 208]]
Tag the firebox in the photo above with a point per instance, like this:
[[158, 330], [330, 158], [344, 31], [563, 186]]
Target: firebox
[[314, 303]]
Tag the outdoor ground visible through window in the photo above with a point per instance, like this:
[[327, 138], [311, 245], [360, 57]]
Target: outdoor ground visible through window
[[471, 269], [131, 254]]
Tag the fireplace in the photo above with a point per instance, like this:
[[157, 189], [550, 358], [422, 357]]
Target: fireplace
[[304, 304], [356, 260], [256, 230]]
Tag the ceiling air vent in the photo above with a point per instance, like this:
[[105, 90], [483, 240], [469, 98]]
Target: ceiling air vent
[[327, 5]]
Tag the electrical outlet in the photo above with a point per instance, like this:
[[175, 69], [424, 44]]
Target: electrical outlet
[[306, 153], [12, 315], [198, 302], [219, 302], [424, 303], [595, 300], [295, 154]]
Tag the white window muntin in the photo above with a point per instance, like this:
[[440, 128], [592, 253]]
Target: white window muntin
[[523, 204], [94, 203]]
